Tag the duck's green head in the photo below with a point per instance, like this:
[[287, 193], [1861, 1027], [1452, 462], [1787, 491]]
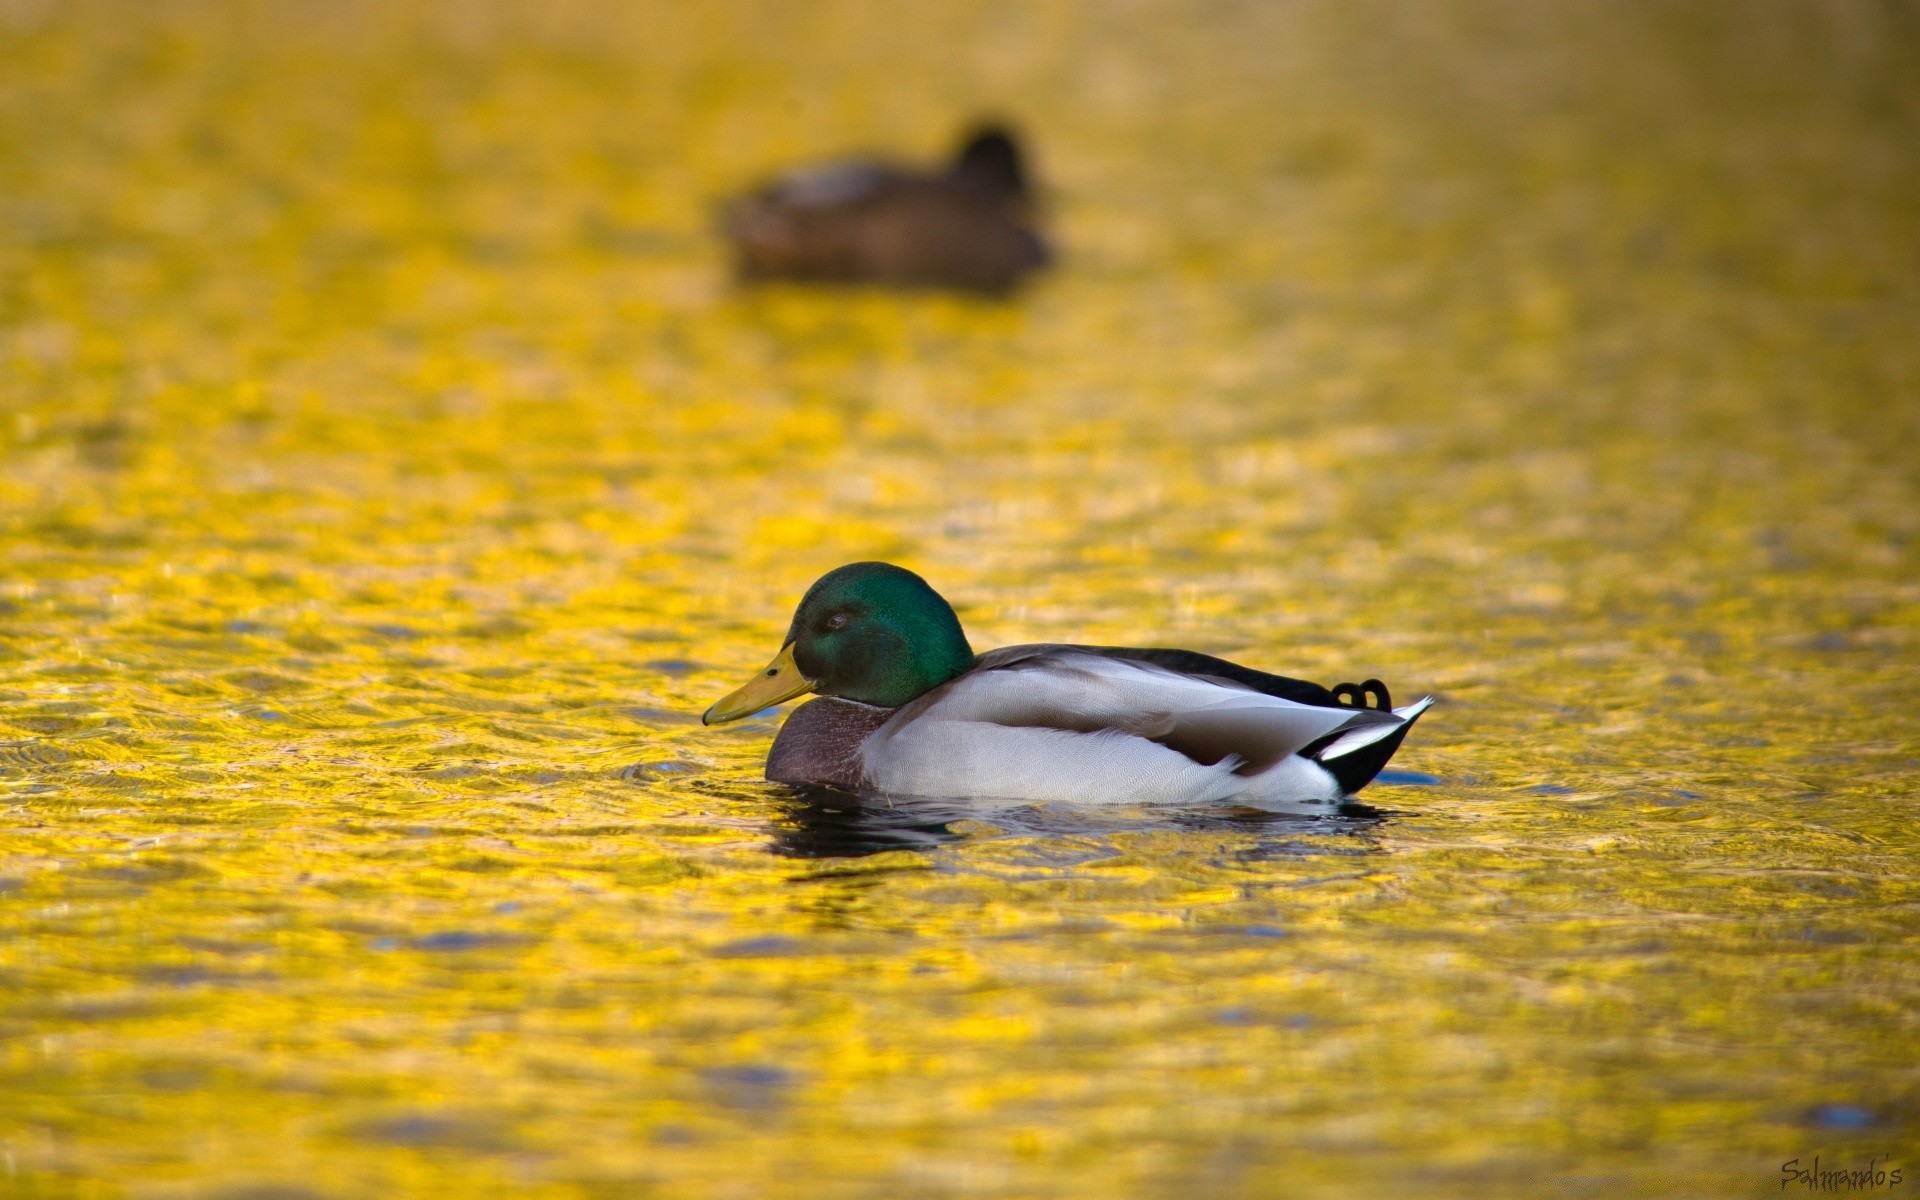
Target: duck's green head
[[868, 631]]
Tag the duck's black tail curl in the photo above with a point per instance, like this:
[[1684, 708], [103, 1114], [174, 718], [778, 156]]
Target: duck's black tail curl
[[1364, 695]]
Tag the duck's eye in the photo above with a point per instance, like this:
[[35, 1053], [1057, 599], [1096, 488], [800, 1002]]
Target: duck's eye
[[838, 621]]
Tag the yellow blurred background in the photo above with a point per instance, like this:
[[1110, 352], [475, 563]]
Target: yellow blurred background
[[389, 471]]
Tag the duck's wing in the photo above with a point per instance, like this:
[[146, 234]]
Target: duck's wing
[[1207, 718], [806, 225], [833, 185], [1192, 662]]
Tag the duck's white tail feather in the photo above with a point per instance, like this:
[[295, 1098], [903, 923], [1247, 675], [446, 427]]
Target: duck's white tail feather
[[1367, 735], [1407, 712]]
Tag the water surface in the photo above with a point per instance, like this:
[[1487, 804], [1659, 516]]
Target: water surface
[[389, 476]]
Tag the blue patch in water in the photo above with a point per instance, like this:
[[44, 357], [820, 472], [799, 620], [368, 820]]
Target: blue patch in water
[[753, 1075], [771, 946], [459, 940], [1551, 789], [675, 667], [643, 772], [1252, 931], [674, 1135], [1407, 778], [1842, 1116], [751, 1087]]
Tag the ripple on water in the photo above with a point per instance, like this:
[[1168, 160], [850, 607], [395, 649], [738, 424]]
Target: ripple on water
[[390, 475], [750, 1087]]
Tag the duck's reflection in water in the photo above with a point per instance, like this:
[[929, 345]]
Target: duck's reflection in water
[[819, 822]]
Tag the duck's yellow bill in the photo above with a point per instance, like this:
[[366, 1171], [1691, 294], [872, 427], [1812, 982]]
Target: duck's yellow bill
[[780, 680]]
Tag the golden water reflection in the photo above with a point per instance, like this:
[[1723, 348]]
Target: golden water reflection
[[391, 477]]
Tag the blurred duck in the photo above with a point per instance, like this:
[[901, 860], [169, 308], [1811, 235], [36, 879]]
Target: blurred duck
[[969, 225], [906, 708]]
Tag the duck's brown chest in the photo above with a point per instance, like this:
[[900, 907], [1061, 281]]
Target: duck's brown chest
[[820, 743]]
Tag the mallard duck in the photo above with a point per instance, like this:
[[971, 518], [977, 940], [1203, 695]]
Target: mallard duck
[[907, 708], [969, 225]]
